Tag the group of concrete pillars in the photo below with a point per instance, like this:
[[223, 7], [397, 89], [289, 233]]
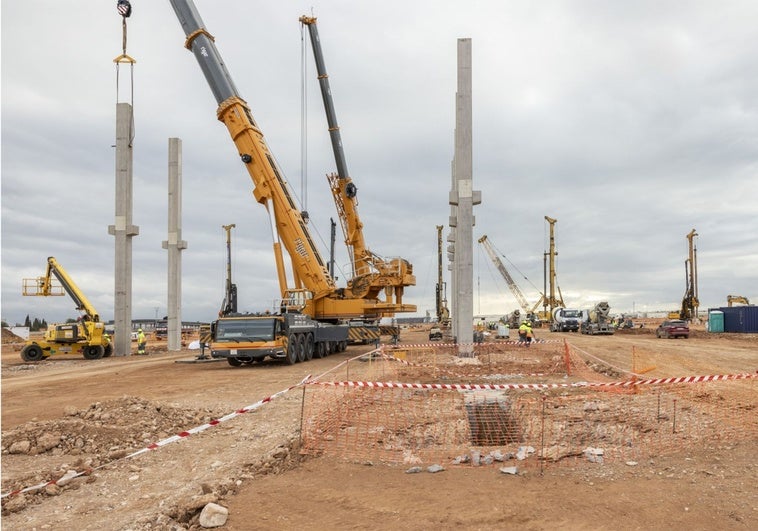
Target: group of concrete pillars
[[123, 230]]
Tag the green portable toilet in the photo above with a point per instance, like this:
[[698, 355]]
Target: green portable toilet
[[715, 321]]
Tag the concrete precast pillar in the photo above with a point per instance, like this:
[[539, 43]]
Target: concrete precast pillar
[[124, 231], [463, 197], [174, 244]]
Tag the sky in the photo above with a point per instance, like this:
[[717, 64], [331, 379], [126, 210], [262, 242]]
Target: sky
[[631, 123]]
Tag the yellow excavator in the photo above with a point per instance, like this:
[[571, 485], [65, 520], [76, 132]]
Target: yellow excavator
[[86, 336], [731, 300]]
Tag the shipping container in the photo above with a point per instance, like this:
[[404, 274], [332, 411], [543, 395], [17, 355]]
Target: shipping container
[[740, 319]]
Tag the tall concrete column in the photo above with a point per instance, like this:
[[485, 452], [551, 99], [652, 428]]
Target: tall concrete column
[[464, 197], [174, 244], [123, 230]]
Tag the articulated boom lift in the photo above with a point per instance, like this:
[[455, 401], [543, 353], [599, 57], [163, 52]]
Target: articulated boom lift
[[372, 274], [87, 336]]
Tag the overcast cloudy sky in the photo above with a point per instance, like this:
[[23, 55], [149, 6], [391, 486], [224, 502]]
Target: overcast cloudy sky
[[630, 122]]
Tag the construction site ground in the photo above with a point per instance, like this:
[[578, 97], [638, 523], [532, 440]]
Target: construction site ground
[[71, 414]]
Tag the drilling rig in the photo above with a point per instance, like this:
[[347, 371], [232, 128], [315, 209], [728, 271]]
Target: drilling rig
[[690, 301], [549, 278], [443, 314]]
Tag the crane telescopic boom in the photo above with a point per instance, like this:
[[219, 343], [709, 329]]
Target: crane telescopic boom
[[506, 275], [371, 273], [314, 291]]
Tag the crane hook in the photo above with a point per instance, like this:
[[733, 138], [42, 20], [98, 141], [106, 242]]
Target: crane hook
[[124, 8]]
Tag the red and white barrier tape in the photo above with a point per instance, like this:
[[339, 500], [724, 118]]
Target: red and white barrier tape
[[535, 386], [402, 346], [164, 442]]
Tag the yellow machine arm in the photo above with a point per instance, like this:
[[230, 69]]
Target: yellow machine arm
[[46, 287]]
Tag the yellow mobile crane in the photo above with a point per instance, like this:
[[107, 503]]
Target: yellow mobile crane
[[313, 311], [87, 336]]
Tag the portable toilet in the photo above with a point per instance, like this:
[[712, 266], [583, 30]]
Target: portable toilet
[[715, 321]]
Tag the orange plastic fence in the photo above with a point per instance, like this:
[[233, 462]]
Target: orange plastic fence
[[513, 406]]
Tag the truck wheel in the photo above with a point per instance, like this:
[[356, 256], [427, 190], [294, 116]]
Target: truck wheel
[[93, 352], [320, 350], [291, 357], [300, 347], [342, 346], [309, 347], [234, 362], [108, 352], [31, 353]]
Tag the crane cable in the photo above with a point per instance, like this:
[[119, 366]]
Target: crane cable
[[124, 9], [303, 121]]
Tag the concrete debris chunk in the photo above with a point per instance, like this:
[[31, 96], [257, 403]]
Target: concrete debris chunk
[[213, 515], [512, 470], [414, 470], [524, 452], [594, 455], [435, 468]]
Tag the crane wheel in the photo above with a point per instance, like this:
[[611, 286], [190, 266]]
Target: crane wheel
[[321, 350], [93, 352], [291, 357], [301, 347], [309, 347], [32, 353]]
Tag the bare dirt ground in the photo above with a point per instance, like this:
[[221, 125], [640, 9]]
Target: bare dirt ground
[[71, 414]]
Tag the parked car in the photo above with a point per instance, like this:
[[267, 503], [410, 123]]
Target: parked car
[[675, 328], [435, 334]]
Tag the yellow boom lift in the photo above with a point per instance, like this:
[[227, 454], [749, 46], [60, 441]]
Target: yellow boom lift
[[87, 336]]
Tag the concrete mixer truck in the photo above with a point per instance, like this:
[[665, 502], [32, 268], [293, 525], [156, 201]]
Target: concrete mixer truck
[[597, 320], [566, 320]]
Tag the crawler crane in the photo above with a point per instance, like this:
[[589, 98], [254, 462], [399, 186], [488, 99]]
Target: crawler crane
[[528, 311], [87, 336]]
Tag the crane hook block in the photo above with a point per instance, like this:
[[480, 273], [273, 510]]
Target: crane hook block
[[124, 8]]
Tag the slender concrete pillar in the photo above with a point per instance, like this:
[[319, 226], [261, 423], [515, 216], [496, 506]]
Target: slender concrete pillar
[[123, 230], [464, 197], [174, 244]]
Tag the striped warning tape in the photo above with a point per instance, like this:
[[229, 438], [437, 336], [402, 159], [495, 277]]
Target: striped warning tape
[[159, 444], [534, 386], [402, 346]]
